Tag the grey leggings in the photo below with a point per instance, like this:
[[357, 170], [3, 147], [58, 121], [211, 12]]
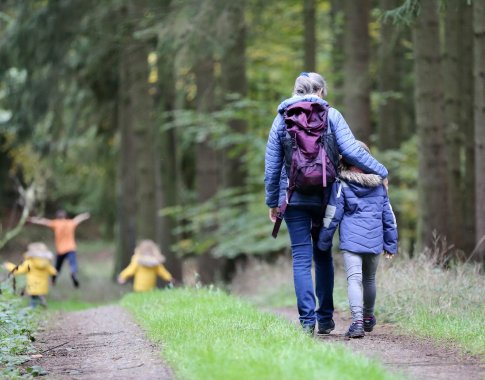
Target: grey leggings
[[361, 282]]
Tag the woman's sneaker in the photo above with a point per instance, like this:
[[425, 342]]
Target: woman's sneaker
[[356, 330], [369, 323], [308, 329]]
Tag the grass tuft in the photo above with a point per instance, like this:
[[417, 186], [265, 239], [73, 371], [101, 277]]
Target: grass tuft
[[207, 334]]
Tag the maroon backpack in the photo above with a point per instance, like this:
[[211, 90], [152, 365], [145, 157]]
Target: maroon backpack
[[311, 154]]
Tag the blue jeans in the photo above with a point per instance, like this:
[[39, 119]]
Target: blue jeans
[[37, 300], [304, 238], [71, 258]]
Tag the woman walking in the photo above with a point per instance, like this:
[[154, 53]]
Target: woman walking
[[304, 213]]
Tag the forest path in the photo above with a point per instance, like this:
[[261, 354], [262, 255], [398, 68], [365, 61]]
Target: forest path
[[416, 358], [98, 343]]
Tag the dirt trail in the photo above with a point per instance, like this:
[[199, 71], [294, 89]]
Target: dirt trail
[[100, 343], [415, 358]]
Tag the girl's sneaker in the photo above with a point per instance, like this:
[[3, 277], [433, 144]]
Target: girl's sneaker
[[369, 323], [356, 330]]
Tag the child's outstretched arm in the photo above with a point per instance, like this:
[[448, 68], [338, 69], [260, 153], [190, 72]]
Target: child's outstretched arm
[[39, 221], [390, 228], [81, 217], [333, 215], [15, 270], [128, 272], [164, 273]]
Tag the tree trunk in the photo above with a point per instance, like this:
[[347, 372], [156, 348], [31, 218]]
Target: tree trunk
[[208, 168], [479, 116], [234, 83], [337, 16], [452, 64], [433, 180], [356, 68], [389, 82], [466, 111], [127, 184], [170, 179], [310, 43], [140, 174], [146, 145]]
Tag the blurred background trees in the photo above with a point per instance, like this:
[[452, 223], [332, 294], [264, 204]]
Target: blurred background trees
[[153, 115]]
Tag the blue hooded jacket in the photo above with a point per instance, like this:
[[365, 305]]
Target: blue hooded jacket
[[275, 176], [359, 203]]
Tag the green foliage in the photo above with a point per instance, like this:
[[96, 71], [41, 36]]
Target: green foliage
[[207, 334], [405, 13], [238, 224], [17, 326]]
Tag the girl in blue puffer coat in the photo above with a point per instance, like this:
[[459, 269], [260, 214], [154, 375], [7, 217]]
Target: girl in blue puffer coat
[[359, 204], [304, 213]]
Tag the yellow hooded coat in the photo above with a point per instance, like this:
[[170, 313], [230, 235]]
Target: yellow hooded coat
[[38, 271], [145, 273]]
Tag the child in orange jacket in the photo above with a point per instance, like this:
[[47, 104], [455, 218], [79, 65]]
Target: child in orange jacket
[[146, 264], [37, 266]]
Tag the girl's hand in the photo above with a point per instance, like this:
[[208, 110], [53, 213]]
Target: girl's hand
[[273, 213], [121, 281]]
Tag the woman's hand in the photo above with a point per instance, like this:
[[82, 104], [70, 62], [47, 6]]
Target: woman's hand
[[388, 255], [121, 280], [273, 213]]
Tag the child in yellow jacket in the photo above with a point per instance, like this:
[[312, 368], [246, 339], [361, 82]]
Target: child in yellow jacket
[[146, 264], [37, 267]]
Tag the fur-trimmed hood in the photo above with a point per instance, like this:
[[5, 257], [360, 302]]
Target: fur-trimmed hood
[[360, 183], [148, 254], [147, 261], [38, 250]]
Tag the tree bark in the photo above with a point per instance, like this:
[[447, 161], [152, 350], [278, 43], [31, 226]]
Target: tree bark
[[466, 111], [356, 68], [479, 117], [452, 64], [433, 180], [146, 146], [310, 43], [140, 173], [170, 177], [336, 17], [127, 184], [234, 82], [389, 82], [208, 168]]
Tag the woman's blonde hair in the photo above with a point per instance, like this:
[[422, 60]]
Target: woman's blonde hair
[[310, 84], [149, 250]]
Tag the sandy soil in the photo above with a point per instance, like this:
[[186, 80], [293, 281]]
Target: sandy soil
[[414, 358], [100, 343]]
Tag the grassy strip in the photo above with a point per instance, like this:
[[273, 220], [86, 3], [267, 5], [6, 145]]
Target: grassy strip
[[446, 305], [211, 335]]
